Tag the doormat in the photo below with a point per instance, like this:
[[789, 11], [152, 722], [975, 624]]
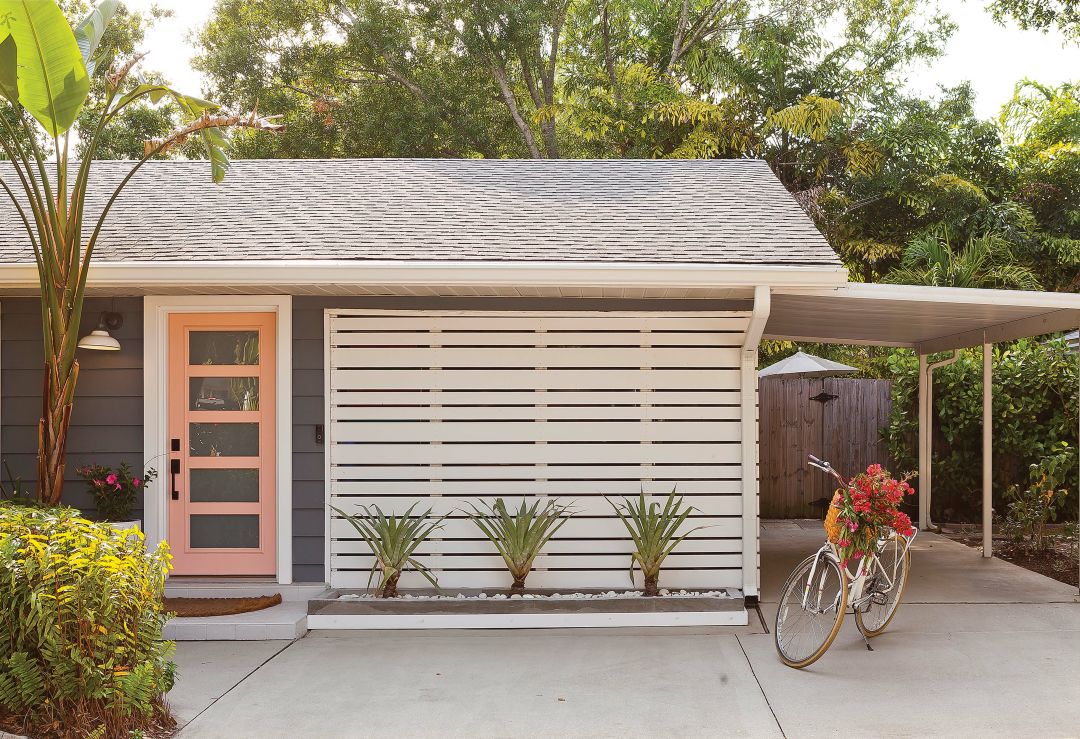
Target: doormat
[[200, 607]]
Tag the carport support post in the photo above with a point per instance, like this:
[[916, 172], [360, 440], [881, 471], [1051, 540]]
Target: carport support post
[[924, 452], [988, 451]]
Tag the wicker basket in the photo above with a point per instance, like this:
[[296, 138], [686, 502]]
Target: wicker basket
[[832, 528]]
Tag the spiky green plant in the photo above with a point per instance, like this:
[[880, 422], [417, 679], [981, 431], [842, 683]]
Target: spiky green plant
[[519, 536], [393, 540], [654, 531]]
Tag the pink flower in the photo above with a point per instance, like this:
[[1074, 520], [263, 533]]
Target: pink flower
[[844, 543], [111, 479], [852, 526], [116, 487]]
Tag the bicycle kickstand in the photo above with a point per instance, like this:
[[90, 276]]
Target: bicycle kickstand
[[866, 641]]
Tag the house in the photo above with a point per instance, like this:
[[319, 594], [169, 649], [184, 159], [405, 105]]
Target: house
[[326, 333]]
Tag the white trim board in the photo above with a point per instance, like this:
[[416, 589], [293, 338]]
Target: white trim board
[[737, 617], [156, 311], [230, 273]]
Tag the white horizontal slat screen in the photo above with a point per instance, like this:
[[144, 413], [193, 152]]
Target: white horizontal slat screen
[[443, 408]]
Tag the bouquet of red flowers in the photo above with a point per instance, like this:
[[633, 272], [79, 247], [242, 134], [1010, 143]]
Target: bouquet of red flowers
[[870, 503]]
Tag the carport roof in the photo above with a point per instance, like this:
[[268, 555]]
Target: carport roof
[[928, 319]]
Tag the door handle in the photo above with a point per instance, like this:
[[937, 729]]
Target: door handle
[[174, 468]]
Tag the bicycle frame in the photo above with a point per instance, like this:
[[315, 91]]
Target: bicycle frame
[[856, 581]]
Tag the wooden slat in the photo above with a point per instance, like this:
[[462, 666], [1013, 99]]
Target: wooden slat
[[707, 579], [577, 527], [600, 397], [535, 379], [534, 412], [544, 561], [585, 505], [697, 543], [506, 472], [529, 431], [735, 321], [731, 338], [514, 489], [704, 453], [485, 357]]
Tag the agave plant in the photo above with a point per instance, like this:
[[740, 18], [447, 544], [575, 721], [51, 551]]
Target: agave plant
[[654, 531], [46, 68], [519, 536], [393, 540]]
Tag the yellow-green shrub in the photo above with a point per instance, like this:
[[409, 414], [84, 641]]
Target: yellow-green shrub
[[80, 622]]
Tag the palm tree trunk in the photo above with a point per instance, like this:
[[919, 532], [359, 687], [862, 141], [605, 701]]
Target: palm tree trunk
[[518, 588], [57, 391], [652, 585]]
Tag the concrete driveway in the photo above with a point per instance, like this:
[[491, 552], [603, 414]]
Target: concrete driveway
[[980, 648]]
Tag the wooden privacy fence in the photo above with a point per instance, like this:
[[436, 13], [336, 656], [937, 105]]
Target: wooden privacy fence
[[837, 419]]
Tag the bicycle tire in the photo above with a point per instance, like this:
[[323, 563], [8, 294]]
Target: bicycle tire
[[896, 539], [791, 595]]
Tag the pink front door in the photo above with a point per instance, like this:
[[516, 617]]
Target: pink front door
[[220, 478]]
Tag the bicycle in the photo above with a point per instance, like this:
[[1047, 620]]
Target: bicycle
[[818, 592]]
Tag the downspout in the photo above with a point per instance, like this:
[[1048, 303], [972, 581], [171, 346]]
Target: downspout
[[748, 384], [926, 439]]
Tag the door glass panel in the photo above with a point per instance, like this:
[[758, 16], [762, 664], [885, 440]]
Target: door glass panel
[[224, 486], [224, 531], [223, 394], [224, 439], [223, 347]]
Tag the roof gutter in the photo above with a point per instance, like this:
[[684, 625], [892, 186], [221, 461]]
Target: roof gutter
[[148, 274]]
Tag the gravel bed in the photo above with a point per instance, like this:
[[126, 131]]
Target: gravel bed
[[610, 594]]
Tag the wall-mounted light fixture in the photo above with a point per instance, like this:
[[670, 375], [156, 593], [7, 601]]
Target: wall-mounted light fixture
[[100, 338]]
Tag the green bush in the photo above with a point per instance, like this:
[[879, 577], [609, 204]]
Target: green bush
[[1034, 409], [1031, 508], [80, 624]]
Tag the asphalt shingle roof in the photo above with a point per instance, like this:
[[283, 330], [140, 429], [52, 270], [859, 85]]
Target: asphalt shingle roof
[[686, 211]]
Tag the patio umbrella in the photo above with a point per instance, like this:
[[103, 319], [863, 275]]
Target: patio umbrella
[[801, 364]]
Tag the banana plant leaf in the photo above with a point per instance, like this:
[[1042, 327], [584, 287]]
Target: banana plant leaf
[[52, 80], [90, 30]]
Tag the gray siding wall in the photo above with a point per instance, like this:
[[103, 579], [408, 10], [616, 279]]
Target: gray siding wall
[[106, 425], [108, 417]]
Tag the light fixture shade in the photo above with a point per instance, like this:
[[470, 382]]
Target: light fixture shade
[[99, 339]]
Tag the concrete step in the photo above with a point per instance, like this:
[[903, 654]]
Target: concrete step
[[288, 620]]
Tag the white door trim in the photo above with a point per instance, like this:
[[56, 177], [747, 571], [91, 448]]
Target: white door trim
[[156, 311]]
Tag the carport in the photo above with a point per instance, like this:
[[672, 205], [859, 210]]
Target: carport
[[928, 320]]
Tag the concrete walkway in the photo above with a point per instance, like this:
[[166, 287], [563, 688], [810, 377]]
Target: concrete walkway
[[980, 648]]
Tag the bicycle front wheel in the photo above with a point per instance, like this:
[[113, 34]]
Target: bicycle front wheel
[[811, 609], [886, 586]]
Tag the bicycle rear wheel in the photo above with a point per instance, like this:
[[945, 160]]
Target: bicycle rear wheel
[[804, 632], [887, 584]]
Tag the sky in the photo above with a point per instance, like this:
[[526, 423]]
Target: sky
[[992, 57]]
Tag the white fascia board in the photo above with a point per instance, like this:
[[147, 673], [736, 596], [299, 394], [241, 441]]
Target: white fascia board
[[948, 295], [146, 274]]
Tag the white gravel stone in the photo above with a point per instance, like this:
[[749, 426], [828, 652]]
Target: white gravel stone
[[610, 594]]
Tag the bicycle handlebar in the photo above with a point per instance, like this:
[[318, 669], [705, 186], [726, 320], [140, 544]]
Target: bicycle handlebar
[[825, 467]]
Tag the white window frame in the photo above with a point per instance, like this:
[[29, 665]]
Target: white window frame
[[156, 312]]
